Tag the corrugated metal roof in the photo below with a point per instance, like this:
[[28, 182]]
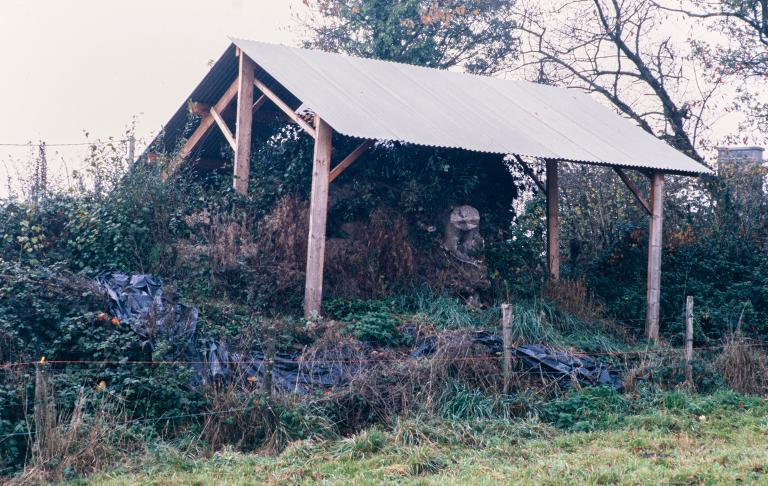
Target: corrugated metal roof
[[389, 101]]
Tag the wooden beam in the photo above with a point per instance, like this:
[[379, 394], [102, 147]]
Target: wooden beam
[[223, 127], [635, 190], [530, 173], [318, 212], [284, 107], [553, 226], [244, 124], [206, 123], [654, 257], [353, 156], [208, 164], [259, 103], [198, 109]]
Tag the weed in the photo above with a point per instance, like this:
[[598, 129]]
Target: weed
[[457, 401], [361, 444], [425, 461]]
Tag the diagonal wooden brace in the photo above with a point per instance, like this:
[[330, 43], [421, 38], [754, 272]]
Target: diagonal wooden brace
[[206, 123], [635, 190], [284, 107], [354, 155], [223, 127]]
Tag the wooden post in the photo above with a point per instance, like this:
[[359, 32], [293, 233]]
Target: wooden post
[[553, 226], [318, 211], [506, 335], [244, 123], [688, 339], [44, 413], [131, 149], [654, 257]]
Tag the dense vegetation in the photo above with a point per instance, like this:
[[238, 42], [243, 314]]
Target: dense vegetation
[[389, 286]]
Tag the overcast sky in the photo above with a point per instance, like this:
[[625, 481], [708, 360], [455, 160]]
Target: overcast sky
[[76, 66], [92, 65]]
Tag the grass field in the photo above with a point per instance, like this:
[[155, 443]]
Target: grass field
[[684, 441]]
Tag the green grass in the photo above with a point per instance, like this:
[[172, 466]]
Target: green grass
[[677, 439]]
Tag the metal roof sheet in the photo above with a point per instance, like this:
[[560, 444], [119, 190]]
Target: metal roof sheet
[[390, 101]]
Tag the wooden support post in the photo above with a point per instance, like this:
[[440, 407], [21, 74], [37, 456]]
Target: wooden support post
[[318, 211], [506, 335], [689, 339], [654, 257], [244, 124], [553, 226]]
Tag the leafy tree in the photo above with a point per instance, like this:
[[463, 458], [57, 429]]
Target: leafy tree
[[477, 35]]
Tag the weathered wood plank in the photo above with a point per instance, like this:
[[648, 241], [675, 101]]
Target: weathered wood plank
[[318, 212], [223, 127], [284, 107], [353, 156], [635, 190], [654, 257], [244, 124], [553, 225]]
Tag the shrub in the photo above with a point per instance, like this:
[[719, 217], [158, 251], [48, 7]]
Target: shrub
[[379, 328], [586, 410]]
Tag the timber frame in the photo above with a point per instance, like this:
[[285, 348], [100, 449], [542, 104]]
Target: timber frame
[[654, 207], [244, 88]]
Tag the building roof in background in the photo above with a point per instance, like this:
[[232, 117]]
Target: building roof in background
[[383, 100]]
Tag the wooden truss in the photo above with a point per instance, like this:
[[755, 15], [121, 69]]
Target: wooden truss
[[322, 175]]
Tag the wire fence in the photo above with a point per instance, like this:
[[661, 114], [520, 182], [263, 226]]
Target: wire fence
[[48, 366], [382, 359]]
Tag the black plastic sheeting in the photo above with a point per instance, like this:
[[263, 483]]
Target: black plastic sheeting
[[542, 361], [153, 314]]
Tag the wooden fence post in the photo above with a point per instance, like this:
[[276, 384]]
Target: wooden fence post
[[689, 339], [44, 413], [506, 335]]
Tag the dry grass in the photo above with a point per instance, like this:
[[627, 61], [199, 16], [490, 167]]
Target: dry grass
[[574, 297], [376, 255], [743, 365], [84, 440]]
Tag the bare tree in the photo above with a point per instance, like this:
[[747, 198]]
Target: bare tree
[[739, 50], [617, 48], [744, 25]]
